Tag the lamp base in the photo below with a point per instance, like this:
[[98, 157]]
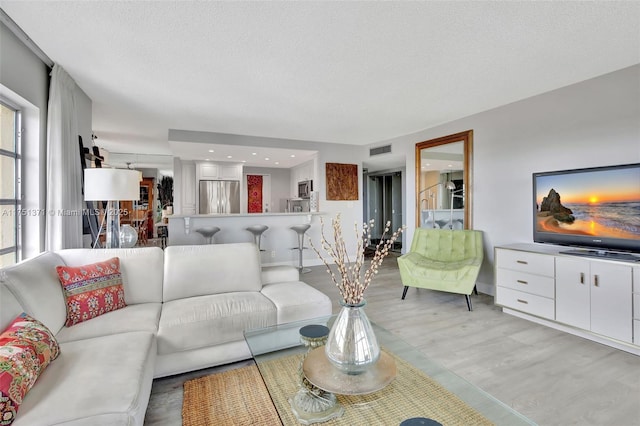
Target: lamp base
[[113, 224]]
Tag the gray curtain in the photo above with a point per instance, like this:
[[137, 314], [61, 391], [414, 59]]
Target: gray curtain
[[64, 172]]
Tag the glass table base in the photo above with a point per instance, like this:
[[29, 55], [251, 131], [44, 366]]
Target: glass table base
[[310, 408]]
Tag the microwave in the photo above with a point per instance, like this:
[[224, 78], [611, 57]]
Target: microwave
[[304, 188]]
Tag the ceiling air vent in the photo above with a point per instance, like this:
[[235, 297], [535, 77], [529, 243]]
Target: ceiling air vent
[[379, 150]]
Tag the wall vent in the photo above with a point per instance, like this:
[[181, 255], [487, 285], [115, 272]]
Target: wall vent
[[380, 150]]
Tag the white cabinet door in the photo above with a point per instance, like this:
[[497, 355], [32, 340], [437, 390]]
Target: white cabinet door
[[208, 171], [306, 171], [231, 172], [595, 296], [573, 298], [611, 301], [215, 171], [188, 188]]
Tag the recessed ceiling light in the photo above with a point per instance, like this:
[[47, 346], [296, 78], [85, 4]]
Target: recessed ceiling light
[[211, 150], [428, 164], [266, 158], [450, 165], [293, 156], [229, 156], [277, 162], [244, 161], [206, 159], [254, 153]]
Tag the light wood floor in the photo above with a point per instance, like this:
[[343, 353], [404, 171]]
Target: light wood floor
[[551, 377]]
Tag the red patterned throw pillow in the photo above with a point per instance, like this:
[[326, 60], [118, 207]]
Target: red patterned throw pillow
[[26, 348], [91, 290]]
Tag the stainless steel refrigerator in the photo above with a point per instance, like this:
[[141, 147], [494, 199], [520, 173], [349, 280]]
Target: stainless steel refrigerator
[[219, 196]]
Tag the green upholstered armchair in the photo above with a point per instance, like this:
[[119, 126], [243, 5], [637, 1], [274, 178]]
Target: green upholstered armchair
[[443, 260]]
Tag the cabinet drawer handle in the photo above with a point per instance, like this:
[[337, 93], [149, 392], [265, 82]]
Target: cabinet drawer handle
[[523, 262], [595, 281], [522, 301], [581, 277], [522, 282]]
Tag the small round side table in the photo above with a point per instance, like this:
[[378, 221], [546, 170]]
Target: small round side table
[[312, 404]]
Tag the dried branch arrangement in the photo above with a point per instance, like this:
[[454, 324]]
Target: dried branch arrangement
[[352, 283]]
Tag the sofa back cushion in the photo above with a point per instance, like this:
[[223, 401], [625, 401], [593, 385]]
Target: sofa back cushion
[[34, 283], [9, 307], [446, 245], [210, 269], [141, 268]]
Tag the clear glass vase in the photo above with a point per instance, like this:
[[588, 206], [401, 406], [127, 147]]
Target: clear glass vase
[[352, 346]]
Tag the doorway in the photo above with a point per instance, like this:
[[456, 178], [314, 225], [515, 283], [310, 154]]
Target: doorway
[[384, 201]]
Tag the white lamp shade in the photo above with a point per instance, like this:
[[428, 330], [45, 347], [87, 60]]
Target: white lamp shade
[[111, 184]]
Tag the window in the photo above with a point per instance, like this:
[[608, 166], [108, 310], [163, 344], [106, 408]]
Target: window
[[10, 200]]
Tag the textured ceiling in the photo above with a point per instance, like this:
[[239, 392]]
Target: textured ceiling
[[342, 72]]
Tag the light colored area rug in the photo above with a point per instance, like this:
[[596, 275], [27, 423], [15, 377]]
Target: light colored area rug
[[239, 397]]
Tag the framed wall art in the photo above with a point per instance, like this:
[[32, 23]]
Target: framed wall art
[[342, 181]]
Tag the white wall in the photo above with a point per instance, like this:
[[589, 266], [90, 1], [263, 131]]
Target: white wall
[[592, 123]]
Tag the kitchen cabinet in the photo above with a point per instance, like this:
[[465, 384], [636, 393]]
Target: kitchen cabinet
[[208, 171], [230, 172], [302, 172], [218, 171], [188, 187]]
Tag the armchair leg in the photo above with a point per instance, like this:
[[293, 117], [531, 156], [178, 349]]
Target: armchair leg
[[475, 290], [404, 293], [467, 296]]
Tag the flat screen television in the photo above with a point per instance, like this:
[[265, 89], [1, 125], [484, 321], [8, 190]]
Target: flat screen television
[[596, 210]]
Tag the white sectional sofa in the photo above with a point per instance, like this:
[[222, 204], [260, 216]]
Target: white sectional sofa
[[187, 308]]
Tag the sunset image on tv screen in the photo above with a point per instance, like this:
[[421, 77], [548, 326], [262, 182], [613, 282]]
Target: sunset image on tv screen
[[603, 203]]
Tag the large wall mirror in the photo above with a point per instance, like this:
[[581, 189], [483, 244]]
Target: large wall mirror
[[443, 182]]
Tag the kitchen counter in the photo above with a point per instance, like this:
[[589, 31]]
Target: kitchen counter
[[277, 242], [223, 215]]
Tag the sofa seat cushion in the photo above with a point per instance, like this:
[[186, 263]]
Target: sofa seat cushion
[[142, 317], [453, 277], [296, 301], [435, 269], [105, 380], [202, 321]]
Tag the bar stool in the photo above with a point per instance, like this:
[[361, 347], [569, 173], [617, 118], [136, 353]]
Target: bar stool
[[300, 230], [208, 233], [257, 231]]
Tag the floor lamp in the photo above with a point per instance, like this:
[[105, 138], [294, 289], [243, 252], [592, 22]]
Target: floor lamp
[[454, 195], [430, 202], [447, 185], [112, 186]]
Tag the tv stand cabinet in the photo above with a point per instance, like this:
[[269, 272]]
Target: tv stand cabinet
[[598, 299]]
